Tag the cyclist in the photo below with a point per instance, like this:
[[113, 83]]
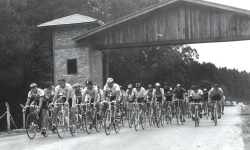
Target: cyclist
[[112, 89], [139, 94], [196, 96], [149, 96], [205, 95], [49, 93], [64, 93], [179, 93], [223, 103], [159, 95], [215, 94], [36, 96], [91, 93], [100, 93], [129, 93], [78, 92], [168, 95]]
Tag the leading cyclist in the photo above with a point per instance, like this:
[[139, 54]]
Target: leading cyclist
[[215, 94]]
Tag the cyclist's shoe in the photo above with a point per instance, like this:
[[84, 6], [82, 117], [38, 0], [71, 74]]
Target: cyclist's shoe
[[53, 127], [193, 118], [200, 115], [219, 116], [183, 119], [73, 128], [43, 131], [223, 113], [212, 117], [204, 114]]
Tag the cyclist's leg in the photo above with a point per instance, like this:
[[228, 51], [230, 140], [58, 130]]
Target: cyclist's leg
[[193, 109], [72, 108], [44, 115], [219, 109], [212, 110]]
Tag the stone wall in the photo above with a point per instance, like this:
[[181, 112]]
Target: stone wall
[[65, 48]]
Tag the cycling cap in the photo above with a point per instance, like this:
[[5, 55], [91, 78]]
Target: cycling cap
[[137, 85], [178, 85], [195, 87], [89, 82], [166, 83], [130, 86], [48, 83], [150, 86], [204, 89], [33, 85], [76, 85], [62, 78], [157, 84], [216, 85], [110, 80]]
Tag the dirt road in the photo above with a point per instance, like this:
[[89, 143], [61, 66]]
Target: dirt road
[[224, 136]]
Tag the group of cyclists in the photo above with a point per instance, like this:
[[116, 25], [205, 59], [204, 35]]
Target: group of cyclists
[[164, 95]]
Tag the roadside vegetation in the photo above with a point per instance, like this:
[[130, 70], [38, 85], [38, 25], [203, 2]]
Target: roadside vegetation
[[245, 115]]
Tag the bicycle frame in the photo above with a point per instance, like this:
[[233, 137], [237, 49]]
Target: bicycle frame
[[197, 117]]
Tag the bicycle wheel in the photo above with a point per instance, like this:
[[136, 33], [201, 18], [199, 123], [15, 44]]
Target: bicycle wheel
[[83, 116], [98, 123], [116, 124], [177, 116], [162, 119], [107, 122], [215, 117], [130, 120], [47, 127], [31, 125], [136, 120], [157, 116], [73, 130], [60, 125], [144, 120], [88, 122], [206, 113], [150, 117]]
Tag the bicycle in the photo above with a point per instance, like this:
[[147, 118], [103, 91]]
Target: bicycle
[[179, 115], [32, 122], [122, 112], [197, 117], [215, 112], [206, 110], [169, 112], [158, 114], [130, 114], [151, 116], [63, 121], [111, 118], [139, 116], [78, 116]]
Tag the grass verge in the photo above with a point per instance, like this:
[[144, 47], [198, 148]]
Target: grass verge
[[245, 116]]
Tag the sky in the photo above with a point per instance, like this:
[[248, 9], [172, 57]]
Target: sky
[[227, 54]]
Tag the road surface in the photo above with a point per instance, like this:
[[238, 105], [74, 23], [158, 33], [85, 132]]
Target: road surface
[[224, 136]]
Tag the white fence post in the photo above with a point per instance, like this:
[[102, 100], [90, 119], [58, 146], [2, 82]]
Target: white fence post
[[8, 116]]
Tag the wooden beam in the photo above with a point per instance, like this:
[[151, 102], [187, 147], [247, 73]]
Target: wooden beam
[[170, 42]]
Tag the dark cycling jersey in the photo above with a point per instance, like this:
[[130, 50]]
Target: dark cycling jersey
[[168, 93], [179, 93], [205, 96]]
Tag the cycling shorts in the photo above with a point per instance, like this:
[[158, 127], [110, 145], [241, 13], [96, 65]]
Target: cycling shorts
[[70, 101], [140, 100], [196, 100], [44, 105], [158, 99], [215, 98], [168, 98]]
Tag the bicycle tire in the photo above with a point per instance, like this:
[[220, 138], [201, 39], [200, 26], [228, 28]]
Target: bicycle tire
[[116, 124], [31, 125], [177, 116], [98, 123], [136, 120], [162, 119], [60, 125], [158, 118], [47, 128], [181, 116], [107, 122], [130, 120], [73, 130], [83, 121], [150, 118], [88, 123], [144, 120], [215, 117]]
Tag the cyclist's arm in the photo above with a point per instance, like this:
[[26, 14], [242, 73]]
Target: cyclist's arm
[[40, 103], [28, 101], [96, 94], [55, 96], [83, 97], [117, 95]]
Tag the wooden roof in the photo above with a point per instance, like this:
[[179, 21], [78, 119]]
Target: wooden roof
[[102, 28], [69, 20]]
